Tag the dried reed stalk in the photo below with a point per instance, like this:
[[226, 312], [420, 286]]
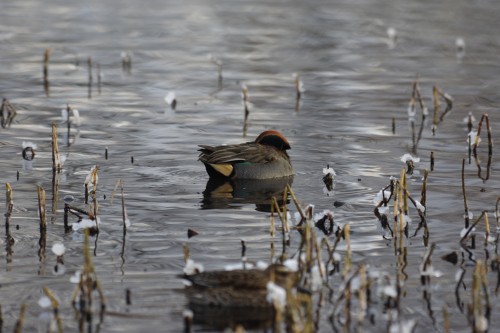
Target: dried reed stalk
[[55, 307], [42, 209], [56, 159]]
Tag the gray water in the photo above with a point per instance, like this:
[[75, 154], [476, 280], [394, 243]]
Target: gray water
[[355, 82]]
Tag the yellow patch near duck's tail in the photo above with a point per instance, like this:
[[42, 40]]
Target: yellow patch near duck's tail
[[224, 169]]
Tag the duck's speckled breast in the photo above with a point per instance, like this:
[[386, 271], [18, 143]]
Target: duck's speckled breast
[[275, 169]]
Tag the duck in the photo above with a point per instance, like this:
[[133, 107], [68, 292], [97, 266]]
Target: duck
[[264, 158]]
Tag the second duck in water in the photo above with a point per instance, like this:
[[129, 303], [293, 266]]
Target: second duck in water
[[264, 158]]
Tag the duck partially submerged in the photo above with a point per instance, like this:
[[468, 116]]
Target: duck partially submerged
[[264, 158]]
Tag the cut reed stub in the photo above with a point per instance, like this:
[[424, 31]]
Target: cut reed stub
[[128, 297], [192, 233], [46, 85], [7, 113], [171, 100], [432, 161], [329, 174], [126, 62]]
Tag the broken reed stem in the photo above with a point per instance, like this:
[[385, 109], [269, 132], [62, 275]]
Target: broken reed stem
[[423, 202], [466, 206], [56, 159], [99, 78], [479, 321], [497, 213], [297, 86], [347, 262], [9, 205], [244, 91], [88, 282], [55, 306], [449, 103], [432, 161], [426, 262], [273, 226], [46, 57], [446, 320], [423, 196], [20, 321], [405, 192], [435, 119], [362, 294], [424, 111], [295, 201], [42, 209], [490, 147], [68, 110], [124, 212], [89, 63], [185, 251], [471, 228], [488, 129], [91, 182], [55, 196]]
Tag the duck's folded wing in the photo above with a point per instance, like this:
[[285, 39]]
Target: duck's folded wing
[[230, 154]]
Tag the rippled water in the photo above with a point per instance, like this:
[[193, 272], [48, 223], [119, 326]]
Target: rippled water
[[355, 81]]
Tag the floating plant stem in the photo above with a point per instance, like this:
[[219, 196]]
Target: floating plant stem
[[55, 307], [466, 206], [46, 85], [56, 159], [20, 321]]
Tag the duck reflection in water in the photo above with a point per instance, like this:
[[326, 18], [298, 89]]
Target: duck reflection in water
[[250, 172], [223, 193]]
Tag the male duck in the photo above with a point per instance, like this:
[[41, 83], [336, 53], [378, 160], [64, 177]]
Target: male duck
[[264, 158]]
